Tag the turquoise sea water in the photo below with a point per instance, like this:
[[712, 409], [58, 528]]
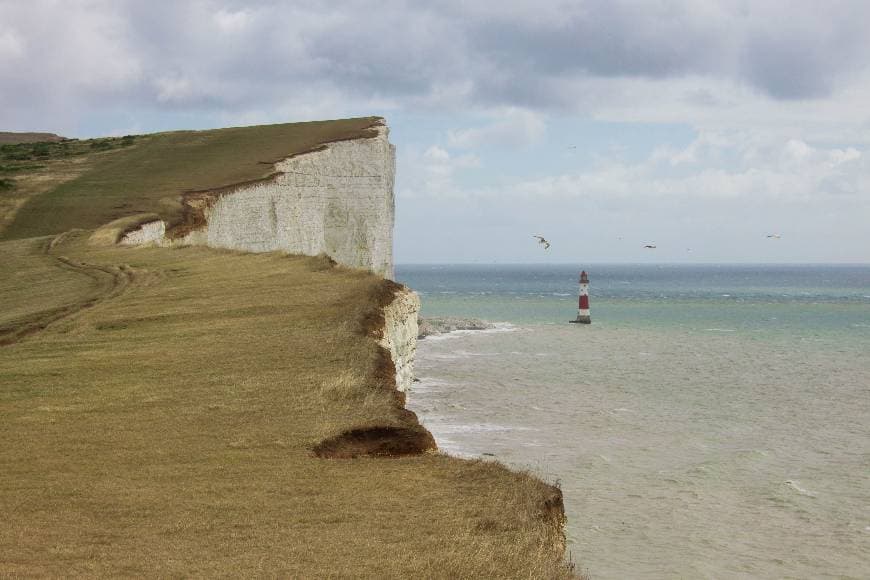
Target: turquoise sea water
[[712, 422], [767, 298]]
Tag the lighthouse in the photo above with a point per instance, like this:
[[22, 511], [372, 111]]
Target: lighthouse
[[583, 310]]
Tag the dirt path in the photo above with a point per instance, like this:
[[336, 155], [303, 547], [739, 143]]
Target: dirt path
[[107, 282]]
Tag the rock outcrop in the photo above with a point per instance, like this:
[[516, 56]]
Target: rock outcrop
[[444, 325], [336, 200]]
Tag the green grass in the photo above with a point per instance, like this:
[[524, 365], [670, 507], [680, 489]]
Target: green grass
[[164, 426], [148, 174], [32, 168], [21, 153]]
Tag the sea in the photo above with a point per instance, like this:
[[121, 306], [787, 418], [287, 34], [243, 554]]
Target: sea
[[713, 421]]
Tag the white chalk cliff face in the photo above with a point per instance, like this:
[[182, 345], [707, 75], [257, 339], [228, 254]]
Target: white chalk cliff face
[[400, 335], [338, 201], [148, 233]]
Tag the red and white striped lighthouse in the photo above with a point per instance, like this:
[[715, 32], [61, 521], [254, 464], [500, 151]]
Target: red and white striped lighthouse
[[583, 307]]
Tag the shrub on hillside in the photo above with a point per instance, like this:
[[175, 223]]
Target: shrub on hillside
[[41, 150], [15, 152], [101, 144]]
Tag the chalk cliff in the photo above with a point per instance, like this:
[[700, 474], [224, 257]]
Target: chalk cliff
[[400, 335], [337, 199]]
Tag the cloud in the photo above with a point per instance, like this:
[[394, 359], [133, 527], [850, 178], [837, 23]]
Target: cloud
[[532, 55], [714, 166], [433, 173], [11, 46], [782, 49], [436, 154], [512, 127], [719, 194], [177, 89], [229, 21]]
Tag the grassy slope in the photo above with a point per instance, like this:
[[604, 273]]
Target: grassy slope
[[166, 430], [150, 176], [28, 170]]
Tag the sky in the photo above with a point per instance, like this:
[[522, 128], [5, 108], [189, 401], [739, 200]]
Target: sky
[[700, 127]]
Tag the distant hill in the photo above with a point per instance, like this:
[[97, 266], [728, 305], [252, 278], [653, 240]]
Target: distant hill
[[8, 137]]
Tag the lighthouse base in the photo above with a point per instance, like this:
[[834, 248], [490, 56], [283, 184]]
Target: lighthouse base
[[582, 319]]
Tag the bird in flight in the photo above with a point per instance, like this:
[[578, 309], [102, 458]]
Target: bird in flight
[[774, 236], [541, 240], [650, 246], [572, 147]]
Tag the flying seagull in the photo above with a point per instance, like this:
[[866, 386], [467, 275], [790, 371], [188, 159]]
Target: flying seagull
[[774, 236], [541, 240], [650, 246]]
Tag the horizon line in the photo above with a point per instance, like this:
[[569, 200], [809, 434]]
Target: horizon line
[[605, 263]]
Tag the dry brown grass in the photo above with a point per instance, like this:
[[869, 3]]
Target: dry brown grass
[[167, 429]]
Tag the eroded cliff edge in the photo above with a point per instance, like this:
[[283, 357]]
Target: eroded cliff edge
[[400, 334], [336, 199]]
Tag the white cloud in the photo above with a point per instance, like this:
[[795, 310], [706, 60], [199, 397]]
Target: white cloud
[[11, 45], [720, 195], [228, 21], [433, 173], [713, 166], [437, 157], [174, 89], [512, 126], [436, 154]]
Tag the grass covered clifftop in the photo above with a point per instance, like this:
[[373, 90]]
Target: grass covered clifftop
[[159, 419], [51, 187], [202, 412]]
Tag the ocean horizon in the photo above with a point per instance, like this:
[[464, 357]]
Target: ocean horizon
[[711, 422]]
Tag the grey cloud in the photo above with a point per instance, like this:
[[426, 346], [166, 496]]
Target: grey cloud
[[783, 49], [786, 50], [805, 55], [605, 38], [514, 53]]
